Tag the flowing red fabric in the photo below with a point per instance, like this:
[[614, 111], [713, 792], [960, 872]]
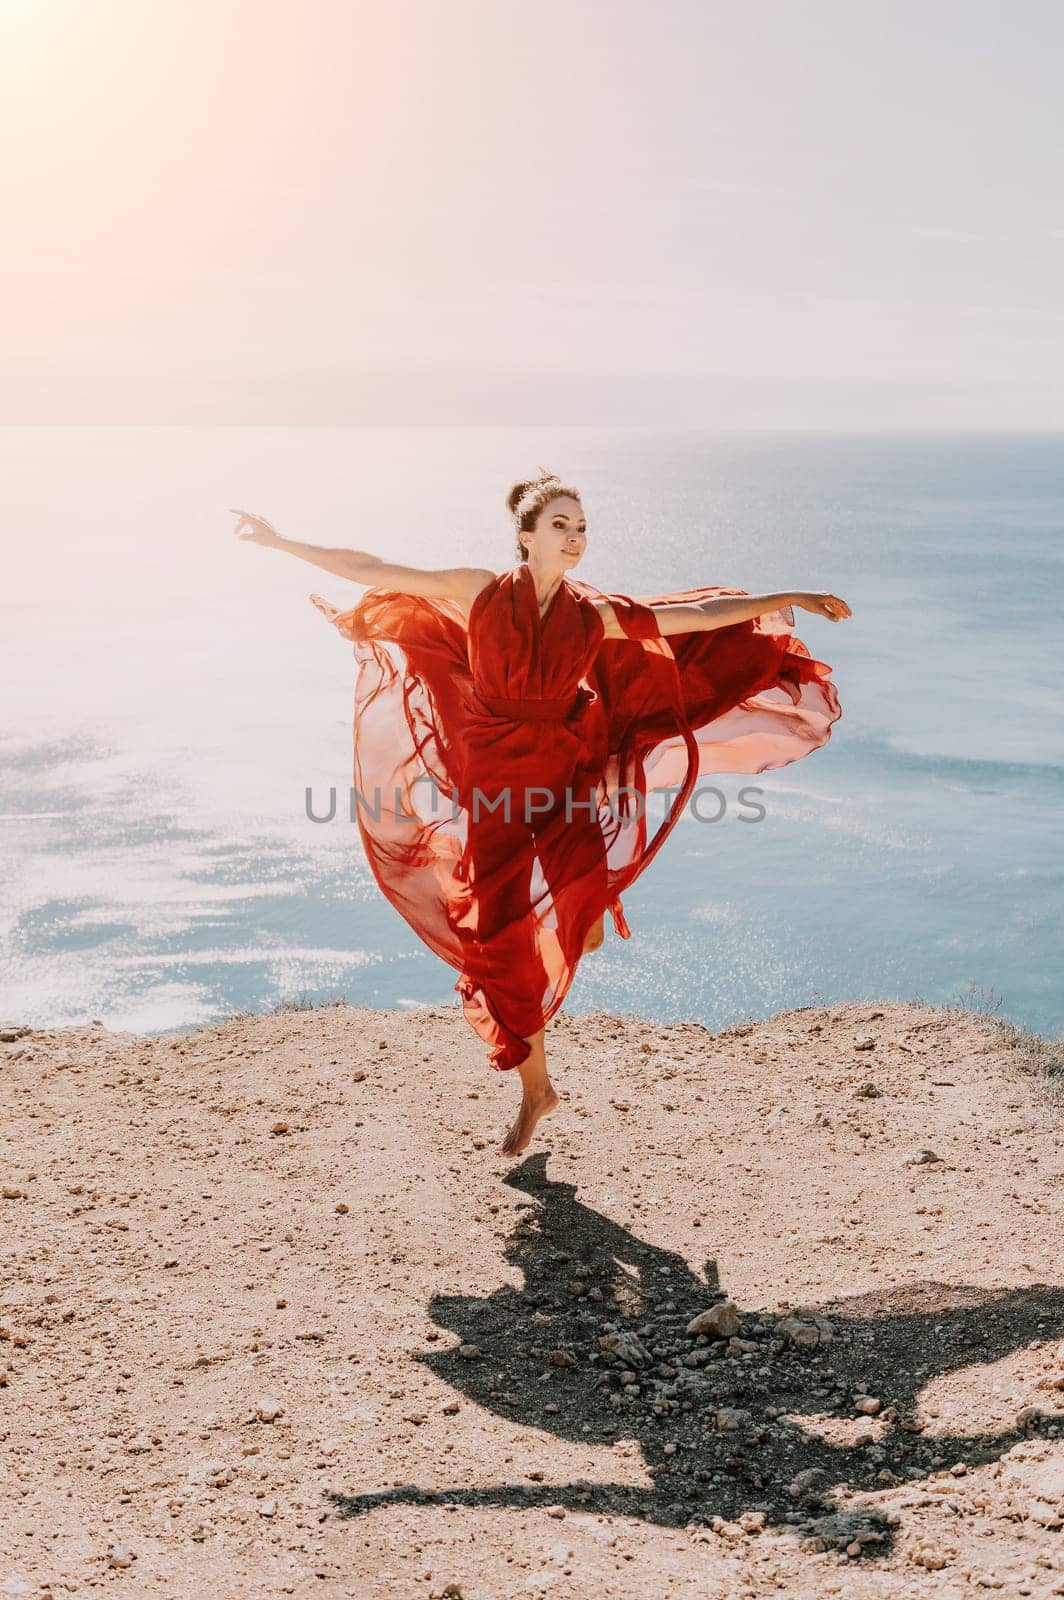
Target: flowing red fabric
[[501, 765]]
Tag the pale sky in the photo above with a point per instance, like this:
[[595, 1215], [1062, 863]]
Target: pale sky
[[800, 213]]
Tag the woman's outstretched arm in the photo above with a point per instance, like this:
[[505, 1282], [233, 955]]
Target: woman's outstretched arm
[[723, 610], [459, 583]]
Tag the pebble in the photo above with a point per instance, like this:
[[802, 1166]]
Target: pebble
[[867, 1405], [469, 1352], [269, 1410], [806, 1330], [722, 1321], [810, 1484], [268, 1508], [279, 1127], [626, 1347], [120, 1555], [929, 1556], [563, 1358], [341, 1207]]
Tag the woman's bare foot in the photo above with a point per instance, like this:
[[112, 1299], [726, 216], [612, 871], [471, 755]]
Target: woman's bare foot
[[532, 1108], [538, 1096], [596, 935]]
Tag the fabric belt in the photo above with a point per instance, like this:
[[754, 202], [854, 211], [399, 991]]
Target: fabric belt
[[531, 710]]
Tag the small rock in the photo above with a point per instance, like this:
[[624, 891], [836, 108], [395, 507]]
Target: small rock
[[720, 1321], [1046, 1516], [557, 1512], [806, 1330], [120, 1555], [268, 1508], [627, 1348], [866, 1091], [139, 1446], [279, 1127], [752, 1522], [864, 1041], [867, 1405], [929, 1556], [269, 1410], [563, 1358], [9, 1192], [923, 1158], [811, 1484], [341, 1208], [731, 1418], [358, 1077], [469, 1352]]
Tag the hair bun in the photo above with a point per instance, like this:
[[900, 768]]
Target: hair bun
[[519, 490]]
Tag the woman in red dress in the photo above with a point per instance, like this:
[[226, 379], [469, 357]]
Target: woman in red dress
[[507, 729]]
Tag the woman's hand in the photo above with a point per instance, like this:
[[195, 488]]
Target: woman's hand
[[260, 531], [822, 604]]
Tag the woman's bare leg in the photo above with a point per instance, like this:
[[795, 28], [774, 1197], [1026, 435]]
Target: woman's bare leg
[[538, 1096]]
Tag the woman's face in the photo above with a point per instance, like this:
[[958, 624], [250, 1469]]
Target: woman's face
[[559, 537]]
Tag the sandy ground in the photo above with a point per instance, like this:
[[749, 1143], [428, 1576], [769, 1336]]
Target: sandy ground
[[277, 1319]]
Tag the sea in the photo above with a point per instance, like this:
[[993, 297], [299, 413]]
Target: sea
[[172, 701]]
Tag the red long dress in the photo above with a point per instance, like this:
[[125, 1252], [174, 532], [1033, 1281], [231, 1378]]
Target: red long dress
[[501, 766]]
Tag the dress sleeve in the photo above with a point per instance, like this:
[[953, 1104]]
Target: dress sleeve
[[635, 617]]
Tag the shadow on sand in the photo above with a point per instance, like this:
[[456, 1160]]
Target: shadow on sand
[[720, 1427]]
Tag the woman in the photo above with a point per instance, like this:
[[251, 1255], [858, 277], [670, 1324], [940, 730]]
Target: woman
[[498, 757]]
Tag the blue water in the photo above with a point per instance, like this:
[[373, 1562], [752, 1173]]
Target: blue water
[[170, 695]]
